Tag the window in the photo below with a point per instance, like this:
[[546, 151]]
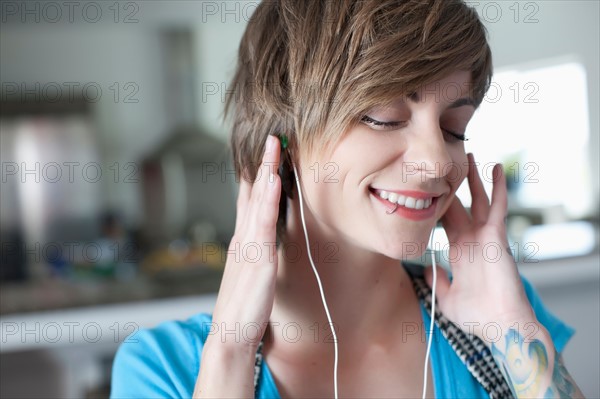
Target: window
[[535, 122]]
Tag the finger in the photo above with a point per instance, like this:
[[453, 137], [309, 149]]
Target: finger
[[455, 218], [480, 205], [499, 206], [267, 166], [259, 184], [242, 200], [266, 191], [442, 285]]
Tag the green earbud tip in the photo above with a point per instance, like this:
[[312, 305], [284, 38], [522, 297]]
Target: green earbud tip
[[284, 141]]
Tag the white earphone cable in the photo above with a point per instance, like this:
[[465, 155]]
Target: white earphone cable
[[431, 324], [335, 341]]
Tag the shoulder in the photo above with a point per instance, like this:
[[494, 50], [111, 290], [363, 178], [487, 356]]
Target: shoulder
[[162, 361], [560, 332]]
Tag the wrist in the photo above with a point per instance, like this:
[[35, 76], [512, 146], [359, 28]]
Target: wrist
[[525, 354], [524, 323], [525, 330], [227, 350], [225, 371]]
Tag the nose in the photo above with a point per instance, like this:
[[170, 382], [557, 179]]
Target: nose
[[427, 153]]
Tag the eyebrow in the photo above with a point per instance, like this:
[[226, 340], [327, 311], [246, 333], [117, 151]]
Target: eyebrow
[[414, 97], [463, 101]]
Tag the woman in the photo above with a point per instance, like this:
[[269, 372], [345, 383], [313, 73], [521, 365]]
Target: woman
[[370, 101]]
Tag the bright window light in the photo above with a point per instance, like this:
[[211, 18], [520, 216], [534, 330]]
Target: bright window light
[[535, 121]]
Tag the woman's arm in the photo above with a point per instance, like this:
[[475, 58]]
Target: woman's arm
[[225, 372], [530, 364]]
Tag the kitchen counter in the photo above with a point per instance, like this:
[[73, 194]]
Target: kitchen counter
[[58, 294]]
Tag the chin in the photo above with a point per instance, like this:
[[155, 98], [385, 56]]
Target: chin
[[403, 250]]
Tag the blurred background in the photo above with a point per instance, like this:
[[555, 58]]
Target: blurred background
[[118, 193]]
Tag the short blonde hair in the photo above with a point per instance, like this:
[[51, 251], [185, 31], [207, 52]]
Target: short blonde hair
[[311, 69]]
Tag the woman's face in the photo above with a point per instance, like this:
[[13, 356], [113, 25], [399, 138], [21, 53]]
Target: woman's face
[[409, 153]]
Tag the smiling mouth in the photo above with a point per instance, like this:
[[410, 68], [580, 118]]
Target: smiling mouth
[[416, 201]]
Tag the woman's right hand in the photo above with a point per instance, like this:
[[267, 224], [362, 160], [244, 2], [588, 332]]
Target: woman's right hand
[[247, 291]]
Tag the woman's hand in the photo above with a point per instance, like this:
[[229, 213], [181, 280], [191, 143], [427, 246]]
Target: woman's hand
[[486, 296], [486, 289], [247, 291]]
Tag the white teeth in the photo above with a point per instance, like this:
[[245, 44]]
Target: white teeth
[[419, 205], [408, 202]]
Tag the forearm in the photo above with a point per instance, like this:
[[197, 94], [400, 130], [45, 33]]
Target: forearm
[[225, 372], [529, 361]]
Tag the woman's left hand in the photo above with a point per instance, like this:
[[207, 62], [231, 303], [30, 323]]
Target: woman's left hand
[[486, 286]]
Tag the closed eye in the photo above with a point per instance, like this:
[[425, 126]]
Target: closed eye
[[379, 124], [455, 136]]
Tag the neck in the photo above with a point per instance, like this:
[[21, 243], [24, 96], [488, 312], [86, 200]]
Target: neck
[[366, 292]]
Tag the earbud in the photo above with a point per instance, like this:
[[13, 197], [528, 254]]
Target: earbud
[[283, 139]]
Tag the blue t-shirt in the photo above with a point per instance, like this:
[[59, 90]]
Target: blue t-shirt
[[164, 362]]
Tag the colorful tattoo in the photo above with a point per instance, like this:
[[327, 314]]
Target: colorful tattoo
[[562, 384], [523, 363]]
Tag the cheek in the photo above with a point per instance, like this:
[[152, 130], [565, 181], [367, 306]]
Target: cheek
[[455, 176], [459, 170], [322, 182]]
